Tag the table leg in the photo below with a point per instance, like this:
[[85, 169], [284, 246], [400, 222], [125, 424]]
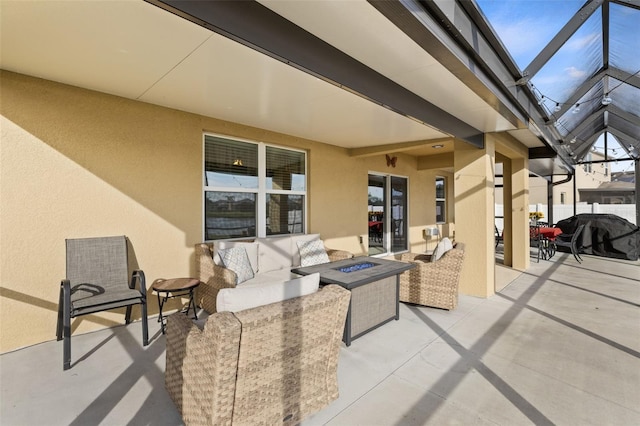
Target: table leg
[[192, 303], [161, 301], [346, 336]]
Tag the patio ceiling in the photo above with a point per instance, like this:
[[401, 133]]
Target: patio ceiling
[[342, 73]]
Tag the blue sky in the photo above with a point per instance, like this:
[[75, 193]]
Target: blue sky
[[527, 26]]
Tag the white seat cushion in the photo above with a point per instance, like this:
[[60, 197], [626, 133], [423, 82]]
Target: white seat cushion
[[247, 297], [279, 275]]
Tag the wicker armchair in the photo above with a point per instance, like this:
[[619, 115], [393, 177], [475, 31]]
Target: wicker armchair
[[432, 283], [273, 364], [214, 278]]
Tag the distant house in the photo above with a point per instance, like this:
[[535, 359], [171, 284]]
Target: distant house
[[621, 190]]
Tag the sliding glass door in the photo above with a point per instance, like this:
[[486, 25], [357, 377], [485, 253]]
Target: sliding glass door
[[398, 214], [387, 198]]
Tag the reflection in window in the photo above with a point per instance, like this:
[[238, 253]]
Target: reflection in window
[[230, 215], [399, 199], [285, 214], [230, 164], [441, 200], [285, 169]]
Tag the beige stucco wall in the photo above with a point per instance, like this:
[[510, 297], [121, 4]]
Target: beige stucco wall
[[78, 163]]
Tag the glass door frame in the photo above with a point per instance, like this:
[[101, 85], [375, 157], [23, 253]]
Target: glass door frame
[[388, 228]]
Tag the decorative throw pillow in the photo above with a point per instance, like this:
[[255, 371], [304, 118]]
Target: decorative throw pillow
[[236, 259], [241, 298], [312, 253], [443, 246], [251, 248], [448, 245]]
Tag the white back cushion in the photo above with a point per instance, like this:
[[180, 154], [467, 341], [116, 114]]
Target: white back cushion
[[443, 246], [275, 253], [241, 298]]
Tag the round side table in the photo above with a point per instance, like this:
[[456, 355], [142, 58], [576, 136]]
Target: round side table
[[172, 288]]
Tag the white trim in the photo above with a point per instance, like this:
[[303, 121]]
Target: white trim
[[261, 191]]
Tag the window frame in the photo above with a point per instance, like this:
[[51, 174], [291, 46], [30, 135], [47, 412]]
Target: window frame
[[262, 192]]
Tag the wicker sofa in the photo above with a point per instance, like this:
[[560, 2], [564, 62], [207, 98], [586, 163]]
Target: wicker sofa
[[273, 364], [275, 257], [432, 283]]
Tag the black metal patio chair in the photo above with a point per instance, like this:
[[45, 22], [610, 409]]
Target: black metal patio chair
[[499, 236], [98, 280], [571, 242], [536, 240]]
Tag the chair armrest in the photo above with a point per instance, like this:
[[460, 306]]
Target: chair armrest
[[207, 291], [447, 268], [415, 257], [138, 276], [213, 278], [335, 255]]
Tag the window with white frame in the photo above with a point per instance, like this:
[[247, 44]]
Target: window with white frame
[[252, 189], [441, 200]]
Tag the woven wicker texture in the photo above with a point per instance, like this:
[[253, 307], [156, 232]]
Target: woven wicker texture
[[214, 277], [372, 304], [432, 283], [273, 364]]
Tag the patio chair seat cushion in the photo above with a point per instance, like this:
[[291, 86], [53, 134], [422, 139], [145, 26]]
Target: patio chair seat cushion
[[251, 296], [88, 295], [279, 275]]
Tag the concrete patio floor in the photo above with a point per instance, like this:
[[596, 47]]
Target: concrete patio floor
[[560, 344]]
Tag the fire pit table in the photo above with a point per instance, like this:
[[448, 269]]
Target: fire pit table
[[374, 285]]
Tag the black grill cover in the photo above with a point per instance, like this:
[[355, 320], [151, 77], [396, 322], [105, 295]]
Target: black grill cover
[[605, 235]]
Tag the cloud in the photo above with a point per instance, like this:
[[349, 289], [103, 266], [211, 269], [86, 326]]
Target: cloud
[[580, 43], [522, 44], [575, 73]]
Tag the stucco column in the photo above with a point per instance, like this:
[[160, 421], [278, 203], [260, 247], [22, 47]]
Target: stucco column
[[520, 213], [474, 213]]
